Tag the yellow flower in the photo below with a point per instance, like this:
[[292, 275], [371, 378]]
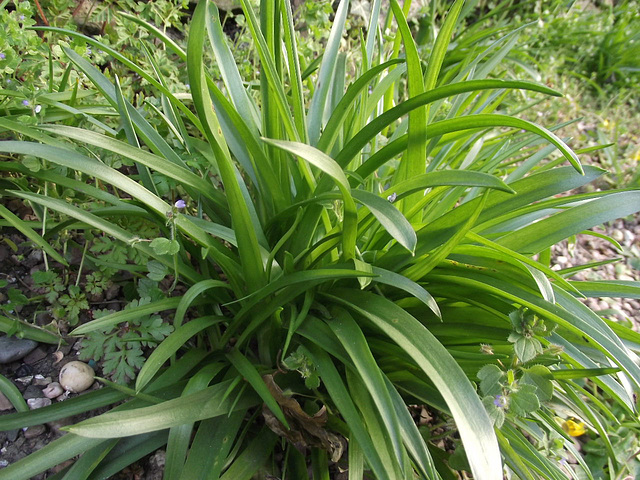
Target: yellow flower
[[574, 427]]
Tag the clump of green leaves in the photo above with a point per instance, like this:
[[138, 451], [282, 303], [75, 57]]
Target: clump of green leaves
[[381, 234], [526, 326], [301, 363], [121, 351], [518, 392]]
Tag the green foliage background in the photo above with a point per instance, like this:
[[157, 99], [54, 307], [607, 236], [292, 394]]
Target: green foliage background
[[314, 243]]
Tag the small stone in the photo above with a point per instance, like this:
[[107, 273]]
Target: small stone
[[35, 356], [602, 305], [12, 435], [32, 391], [25, 380], [624, 276], [24, 371], [35, 431], [35, 403], [5, 404], [12, 348], [617, 235], [42, 381], [76, 376], [53, 390]]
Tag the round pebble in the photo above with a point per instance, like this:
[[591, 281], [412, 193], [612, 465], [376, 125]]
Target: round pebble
[[76, 376]]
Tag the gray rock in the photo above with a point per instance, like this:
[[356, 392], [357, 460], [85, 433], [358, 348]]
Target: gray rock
[[12, 348], [35, 356], [32, 391], [35, 431]]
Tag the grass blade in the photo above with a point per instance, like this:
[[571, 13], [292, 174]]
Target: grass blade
[[243, 225], [325, 75], [170, 346], [393, 221], [471, 418]]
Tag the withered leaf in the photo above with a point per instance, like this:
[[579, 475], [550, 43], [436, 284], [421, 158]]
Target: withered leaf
[[306, 431]]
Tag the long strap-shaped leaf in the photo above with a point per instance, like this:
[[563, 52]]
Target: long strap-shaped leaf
[[353, 340], [251, 375], [170, 346], [28, 232], [530, 190], [331, 168], [47, 457], [344, 403], [325, 75], [540, 235], [180, 436], [270, 69], [229, 70], [244, 227], [220, 431], [109, 228], [339, 113], [390, 116], [475, 427], [210, 402], [414, 160], [159, 164]]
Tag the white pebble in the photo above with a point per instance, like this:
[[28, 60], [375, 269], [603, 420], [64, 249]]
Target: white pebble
[[76, 376], [38, 403]]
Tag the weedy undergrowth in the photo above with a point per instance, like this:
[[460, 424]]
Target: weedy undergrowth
[[350, 248]]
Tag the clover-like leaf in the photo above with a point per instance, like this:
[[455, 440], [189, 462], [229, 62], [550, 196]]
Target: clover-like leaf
[[525, 347], [524, 400], [164, 246], [496, 413], [490, 376], [540, 377]]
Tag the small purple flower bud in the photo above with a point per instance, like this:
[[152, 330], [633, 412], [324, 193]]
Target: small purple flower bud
[[2, 56], [392, 197], [21, 18], [187, 85], [180, 204], [38, 108], [500, 401], [25, 103], [88, 50]]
